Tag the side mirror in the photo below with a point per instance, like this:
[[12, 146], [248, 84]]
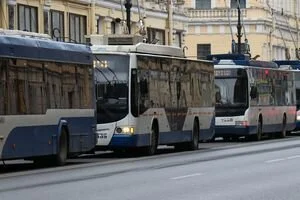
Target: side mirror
[[253, 92]]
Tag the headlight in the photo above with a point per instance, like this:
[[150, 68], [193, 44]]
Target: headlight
[[125, 130], [298, 117]]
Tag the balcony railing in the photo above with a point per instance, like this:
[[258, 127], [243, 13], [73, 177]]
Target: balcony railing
[[216, 13]]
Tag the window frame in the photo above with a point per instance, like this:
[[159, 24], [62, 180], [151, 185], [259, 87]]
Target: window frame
[[203, 4], [203, 56], [33, 23], [78, 32], [61, 28]]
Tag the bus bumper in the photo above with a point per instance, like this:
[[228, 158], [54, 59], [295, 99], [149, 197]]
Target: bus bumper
[[234, 130], [129, 141]]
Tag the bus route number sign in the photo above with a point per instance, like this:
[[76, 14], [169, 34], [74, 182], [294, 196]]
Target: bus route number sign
[[223, 73]]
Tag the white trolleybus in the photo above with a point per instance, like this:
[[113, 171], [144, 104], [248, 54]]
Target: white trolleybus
[[253, 98], [149, 95], [294, 66], [46, 98]]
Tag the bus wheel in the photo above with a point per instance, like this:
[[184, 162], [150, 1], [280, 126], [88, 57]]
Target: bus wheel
[[152, 148], [283, 131], [194, 144], [62, 153], [258, 135]]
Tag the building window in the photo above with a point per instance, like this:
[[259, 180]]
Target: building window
[[203, 50], [156, 36], [77, 31], [234, 4], [115, 27], [27, 18], [57, 30], [46, 21], [203, 4]]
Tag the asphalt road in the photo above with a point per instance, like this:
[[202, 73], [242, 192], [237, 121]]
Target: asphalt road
[[260, 170]]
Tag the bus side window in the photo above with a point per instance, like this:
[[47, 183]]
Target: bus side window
[[144, 95], [218, 97], [144, 87], [134, 93], [253, 92]]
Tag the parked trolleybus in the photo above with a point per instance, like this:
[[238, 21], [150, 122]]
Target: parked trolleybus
[[253, 98], [148, 95], [46, 98], [294, 66]]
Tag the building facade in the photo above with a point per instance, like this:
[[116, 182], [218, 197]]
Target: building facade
[[76, 20], [271, 27]]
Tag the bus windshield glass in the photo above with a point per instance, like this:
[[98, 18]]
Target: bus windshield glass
[[111, 82], [231, 92]]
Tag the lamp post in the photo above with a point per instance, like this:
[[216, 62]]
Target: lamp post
[[128, 6], [11, 14], [239, 27]]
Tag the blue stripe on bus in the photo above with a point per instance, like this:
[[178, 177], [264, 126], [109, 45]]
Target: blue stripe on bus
[[234, 130], [128, 141], [30, 141], [297, 126], [244, 131], [207, 134], [140, 140]]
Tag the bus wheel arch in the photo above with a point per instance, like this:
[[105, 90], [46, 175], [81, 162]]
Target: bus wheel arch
[[61, 154]]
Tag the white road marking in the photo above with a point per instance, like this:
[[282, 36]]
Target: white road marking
[[186, 176], [275, 160], [293, 157], [283, 159]]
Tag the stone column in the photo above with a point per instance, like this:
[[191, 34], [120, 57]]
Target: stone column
[[107, 25]]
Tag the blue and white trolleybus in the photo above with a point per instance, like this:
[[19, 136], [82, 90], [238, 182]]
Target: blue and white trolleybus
[[46, 98], [253, 98], [148, 95]]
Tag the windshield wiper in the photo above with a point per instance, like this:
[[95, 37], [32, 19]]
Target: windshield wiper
[[114, 74], [103, 75]]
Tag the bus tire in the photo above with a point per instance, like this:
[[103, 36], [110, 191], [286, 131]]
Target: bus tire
[[152, 148], [283, 130], [258, 135], [62, 151], [194, 144]]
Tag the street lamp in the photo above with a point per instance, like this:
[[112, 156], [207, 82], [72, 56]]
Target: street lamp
[[239, 27], [128, 6], [11, 4]]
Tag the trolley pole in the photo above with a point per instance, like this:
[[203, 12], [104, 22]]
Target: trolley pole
[[128, 6]]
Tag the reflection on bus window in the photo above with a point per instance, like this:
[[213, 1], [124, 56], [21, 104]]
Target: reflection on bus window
[[36, 86], [111, 76], [231, 91]]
